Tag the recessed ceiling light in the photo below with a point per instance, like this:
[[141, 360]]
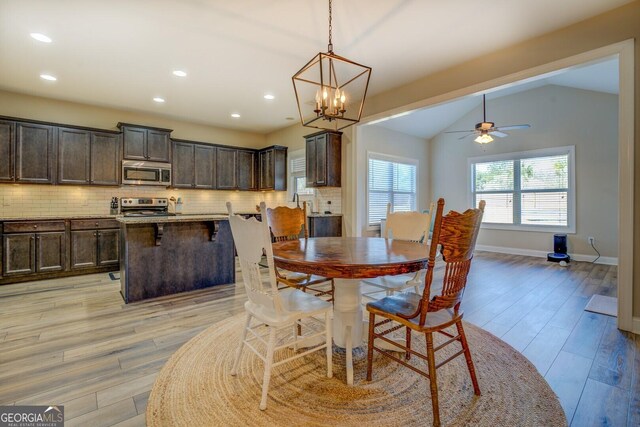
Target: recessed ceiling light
[[269, 96], [41, 37], [158, 100], [48, 77], [179, 73], [235, 115]]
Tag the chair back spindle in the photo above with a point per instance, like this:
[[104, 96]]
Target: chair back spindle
[[251, 238]]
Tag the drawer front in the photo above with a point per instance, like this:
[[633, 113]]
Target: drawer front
[[33, 226], [94, 224]]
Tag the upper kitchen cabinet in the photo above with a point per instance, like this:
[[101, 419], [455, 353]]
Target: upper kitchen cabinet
[[247, 170], [193, 165], [226, 168], [273, 168], [146, 143], [323, 159], [7, 150], [34, 153], [88, 157], [105, 158]]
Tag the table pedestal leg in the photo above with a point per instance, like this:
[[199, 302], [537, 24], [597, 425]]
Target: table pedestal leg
[[347, 319]]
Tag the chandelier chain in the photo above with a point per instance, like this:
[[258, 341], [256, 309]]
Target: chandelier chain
[[330, 28]]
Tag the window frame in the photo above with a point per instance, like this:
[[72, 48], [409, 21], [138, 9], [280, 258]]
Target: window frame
[[394, 159], [569, 150]]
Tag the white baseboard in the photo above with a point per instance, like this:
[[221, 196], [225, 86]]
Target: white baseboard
[[636, 325], [543, 254]]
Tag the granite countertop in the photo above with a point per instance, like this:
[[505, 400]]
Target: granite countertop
[[320, 215], [56, 217], [171, 218]]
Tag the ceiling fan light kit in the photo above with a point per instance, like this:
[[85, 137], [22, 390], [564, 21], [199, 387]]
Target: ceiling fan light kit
[[330, 89], [486, 130]]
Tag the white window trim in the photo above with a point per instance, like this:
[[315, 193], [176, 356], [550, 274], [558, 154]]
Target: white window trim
[[542, 152], [389, 158]]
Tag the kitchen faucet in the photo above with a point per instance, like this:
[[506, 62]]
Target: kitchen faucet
[[296, 198]]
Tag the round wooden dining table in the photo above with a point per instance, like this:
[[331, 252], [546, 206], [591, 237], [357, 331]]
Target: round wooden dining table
[[347, 260]]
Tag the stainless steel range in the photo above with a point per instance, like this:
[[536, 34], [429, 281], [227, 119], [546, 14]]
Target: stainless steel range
[[144, 206]]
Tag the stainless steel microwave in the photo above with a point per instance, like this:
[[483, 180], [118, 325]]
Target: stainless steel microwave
[[146, 173]]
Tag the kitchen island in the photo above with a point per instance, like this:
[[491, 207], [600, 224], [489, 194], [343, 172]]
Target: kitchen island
[[165, 255]]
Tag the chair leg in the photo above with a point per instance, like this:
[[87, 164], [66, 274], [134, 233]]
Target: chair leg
[[329, 337], [467, 356], [407, 356], [234, 369], [296, 332], [267, 367], [431, 360], [372, 326]]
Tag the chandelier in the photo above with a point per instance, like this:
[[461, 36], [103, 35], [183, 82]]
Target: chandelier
[[330, 89]]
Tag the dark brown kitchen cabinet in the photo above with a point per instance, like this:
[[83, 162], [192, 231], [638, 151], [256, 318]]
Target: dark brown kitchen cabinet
[[34, 252], [273, 168], [84, 249], [183, 159], [226, 168], [193, 165], [94, 245], [108, 247], [323, 159], [50, 251], [34, 156], [246, 170], [7, 150], [19, 254], [204, 173], [146, 143], [325, 226], [74, 156], [87, 157]]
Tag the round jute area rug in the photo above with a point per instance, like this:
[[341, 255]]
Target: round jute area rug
[[195, 388]]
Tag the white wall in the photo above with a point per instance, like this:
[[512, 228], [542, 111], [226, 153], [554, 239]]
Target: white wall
[[380, 140], [559, 116]]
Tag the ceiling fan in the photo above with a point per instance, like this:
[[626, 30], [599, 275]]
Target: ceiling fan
[[486, 130]]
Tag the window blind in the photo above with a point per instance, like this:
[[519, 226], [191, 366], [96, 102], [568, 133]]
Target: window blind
[[390, 182]]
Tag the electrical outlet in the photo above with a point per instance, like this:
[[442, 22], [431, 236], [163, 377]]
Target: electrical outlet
[[591, 240]]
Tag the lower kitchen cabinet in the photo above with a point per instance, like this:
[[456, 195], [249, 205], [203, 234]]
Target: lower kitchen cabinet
[[34, 250], [28, 253], [19, 255], [325, 226]]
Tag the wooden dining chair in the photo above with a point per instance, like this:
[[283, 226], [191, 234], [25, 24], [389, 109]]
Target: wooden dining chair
[[456, 235], [410, 226], [271, 308], [288, 224]]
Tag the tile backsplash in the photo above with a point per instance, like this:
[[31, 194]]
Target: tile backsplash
[[23, 201]]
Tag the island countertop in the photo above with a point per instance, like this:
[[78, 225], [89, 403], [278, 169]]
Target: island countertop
[[171, 218]]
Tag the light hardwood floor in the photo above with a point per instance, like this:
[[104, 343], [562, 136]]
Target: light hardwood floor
[[72, 341]]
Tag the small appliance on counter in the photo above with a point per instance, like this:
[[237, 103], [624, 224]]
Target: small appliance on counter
[[175, 205], [114, 206], [144, 206]]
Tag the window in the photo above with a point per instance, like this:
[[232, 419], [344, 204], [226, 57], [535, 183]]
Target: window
[[298, 176], [390, 180], [531, 190]]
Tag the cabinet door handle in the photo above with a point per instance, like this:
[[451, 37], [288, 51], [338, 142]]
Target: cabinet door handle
[[95, 234], [35, 226], [33, 238], [99, 234]]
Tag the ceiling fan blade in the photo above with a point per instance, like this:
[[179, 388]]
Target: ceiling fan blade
[[498, 133], [458, 131], [466, 136], [512, 127]]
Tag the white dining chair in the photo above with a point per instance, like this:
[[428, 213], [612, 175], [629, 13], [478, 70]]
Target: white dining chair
[[410, 226], [270, 311]]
